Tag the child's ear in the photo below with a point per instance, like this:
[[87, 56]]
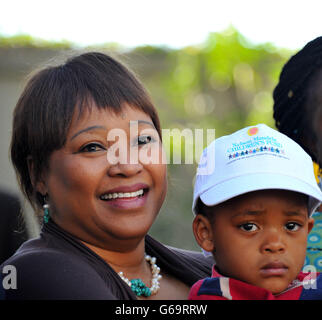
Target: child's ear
[[310, 225], [38, 184], [202, 230]]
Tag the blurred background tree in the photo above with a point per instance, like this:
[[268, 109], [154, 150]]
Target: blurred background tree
[[226, 84]]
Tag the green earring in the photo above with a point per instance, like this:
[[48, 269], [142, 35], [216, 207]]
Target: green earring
[[46, 212]]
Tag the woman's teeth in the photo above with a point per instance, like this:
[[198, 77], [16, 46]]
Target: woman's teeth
[[119, 195]]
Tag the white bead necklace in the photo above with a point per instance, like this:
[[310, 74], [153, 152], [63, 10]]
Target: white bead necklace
[[138, 286]]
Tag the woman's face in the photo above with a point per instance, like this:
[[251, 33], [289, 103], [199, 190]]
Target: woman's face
[[97, 192]]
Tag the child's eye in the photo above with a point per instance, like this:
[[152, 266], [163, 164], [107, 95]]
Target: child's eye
[[248, 227], [92, 147], [292, 226]]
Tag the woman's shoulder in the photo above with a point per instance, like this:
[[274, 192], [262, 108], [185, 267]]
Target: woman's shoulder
[[35, 253], [38, 252], [43, 272]]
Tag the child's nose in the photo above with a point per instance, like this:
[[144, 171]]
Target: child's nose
[[273, 242]]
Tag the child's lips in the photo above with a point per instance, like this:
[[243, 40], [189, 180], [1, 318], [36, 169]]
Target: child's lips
[[275, 268]]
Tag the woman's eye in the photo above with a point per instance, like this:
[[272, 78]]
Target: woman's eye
[[145, 140], [92, 147], [248, 227], [292, 226]]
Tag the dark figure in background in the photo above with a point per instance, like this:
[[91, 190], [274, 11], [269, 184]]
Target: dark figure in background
[[298, 114], [12, 229]]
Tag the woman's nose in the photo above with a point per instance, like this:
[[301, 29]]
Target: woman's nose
[[273, 242], [125, 166], [125, 170]]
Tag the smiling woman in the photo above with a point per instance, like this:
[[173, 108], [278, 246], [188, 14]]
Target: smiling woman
[[97, 212]]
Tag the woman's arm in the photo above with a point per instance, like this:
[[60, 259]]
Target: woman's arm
[[52, 275]]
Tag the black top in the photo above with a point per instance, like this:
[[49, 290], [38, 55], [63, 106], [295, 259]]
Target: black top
[[58, 266]]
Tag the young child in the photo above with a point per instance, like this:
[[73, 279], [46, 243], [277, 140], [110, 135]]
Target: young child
[[253, 213]]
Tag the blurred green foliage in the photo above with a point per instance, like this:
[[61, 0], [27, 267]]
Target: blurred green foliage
[[25, 40], [226, 83]]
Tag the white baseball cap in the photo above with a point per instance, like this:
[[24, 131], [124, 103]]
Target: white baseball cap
[[251, 159]]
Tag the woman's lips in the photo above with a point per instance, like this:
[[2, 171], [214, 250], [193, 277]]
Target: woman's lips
[[126, 197], [274, 269], [128, 188]]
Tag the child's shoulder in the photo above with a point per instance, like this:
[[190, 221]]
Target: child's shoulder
[[208, 289]]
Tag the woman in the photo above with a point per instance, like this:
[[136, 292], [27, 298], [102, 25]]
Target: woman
[[97, 211], [298, 114]]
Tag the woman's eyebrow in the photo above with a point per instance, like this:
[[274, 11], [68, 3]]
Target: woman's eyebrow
[[132, 122], [87, 129]]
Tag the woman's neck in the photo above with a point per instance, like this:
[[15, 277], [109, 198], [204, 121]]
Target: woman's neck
[[131, 262], [128, 256]]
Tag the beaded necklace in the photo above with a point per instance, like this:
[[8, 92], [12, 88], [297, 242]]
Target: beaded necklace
[[138, 286]]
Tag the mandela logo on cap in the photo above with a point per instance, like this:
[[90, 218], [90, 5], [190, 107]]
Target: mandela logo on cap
[[252, 131]]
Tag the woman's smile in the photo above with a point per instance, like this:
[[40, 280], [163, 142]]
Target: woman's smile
[[126, 197]]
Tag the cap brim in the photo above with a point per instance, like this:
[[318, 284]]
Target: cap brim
[[260, 181]]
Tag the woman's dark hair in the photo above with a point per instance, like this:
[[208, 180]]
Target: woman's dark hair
[[298, 98], [44, 111]]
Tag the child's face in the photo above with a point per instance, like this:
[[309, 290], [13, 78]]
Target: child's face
[[259, 238]]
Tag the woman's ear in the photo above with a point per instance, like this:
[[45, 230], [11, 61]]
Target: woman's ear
[[38, 184], [202, 230]]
